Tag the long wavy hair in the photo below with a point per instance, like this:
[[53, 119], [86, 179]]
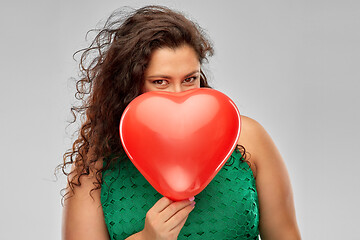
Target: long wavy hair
[[112, 70]]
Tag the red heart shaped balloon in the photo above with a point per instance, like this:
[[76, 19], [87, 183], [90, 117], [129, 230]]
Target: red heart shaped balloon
[[179, 141]]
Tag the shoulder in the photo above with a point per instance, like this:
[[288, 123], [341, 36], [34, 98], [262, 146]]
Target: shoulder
[[256, 140], [278, 220], [253, 136], [251, 131], [82, 209], [83, 185]]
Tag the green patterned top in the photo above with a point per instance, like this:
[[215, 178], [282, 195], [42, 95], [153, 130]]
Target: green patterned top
[[226, 209]]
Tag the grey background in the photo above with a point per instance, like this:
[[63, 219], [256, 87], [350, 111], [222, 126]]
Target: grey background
[[291, 65]]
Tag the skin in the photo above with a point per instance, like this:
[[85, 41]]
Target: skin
[[178, 70], [172, 70]]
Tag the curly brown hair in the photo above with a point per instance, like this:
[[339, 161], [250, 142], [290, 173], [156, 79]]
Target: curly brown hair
[[112, 70]]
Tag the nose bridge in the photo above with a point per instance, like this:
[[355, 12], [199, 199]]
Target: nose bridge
[[177, 87]]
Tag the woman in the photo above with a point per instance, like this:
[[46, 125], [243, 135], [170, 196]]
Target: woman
[[157, 49]]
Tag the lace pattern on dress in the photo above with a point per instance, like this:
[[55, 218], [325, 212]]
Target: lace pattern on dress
[[226, 209]]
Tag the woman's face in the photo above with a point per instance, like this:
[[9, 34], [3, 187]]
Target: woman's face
[[172, 70]]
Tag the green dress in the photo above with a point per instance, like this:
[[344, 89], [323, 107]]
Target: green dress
[[226, 209]]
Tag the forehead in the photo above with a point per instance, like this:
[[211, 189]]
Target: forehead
[[173, 61]]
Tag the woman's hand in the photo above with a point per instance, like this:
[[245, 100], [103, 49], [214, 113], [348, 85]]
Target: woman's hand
[[166, 218]]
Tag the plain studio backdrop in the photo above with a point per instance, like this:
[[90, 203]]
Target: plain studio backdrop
[[291, 65]]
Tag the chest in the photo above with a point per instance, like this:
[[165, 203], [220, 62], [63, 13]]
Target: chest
[[227, 206]]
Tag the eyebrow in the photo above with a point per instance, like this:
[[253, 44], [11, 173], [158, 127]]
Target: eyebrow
[[164, 76]]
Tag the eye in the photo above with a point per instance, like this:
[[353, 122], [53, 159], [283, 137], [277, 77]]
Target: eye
[[190, 79], [160, 82]]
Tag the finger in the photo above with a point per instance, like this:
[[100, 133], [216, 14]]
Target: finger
[[179, 217], [173, 208], [161, 204], [176, 230]]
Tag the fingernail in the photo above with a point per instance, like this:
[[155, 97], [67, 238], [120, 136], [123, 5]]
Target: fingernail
[[191, 199], [193, 204]]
